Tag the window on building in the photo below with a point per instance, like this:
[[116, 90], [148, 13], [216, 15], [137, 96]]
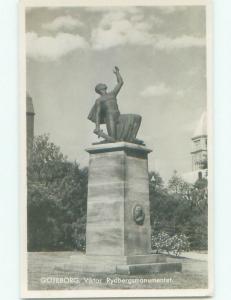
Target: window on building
[[197, 144]]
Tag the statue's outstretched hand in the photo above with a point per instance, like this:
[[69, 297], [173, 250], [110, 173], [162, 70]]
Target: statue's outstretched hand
[[97, 131], [116, 70]]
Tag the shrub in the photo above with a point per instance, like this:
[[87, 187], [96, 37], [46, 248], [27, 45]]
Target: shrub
[[178, 244], [162, 242]]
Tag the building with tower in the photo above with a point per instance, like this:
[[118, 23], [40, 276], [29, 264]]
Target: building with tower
[[199, 152], [199, 139], [29, 123]]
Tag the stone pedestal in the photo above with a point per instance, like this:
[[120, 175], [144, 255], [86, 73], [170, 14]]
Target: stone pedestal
[[118, 232], [117, 183]]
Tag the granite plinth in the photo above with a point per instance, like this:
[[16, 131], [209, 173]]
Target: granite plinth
[[117, 183]]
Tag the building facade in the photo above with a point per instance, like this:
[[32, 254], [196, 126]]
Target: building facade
[[199, 152], [29, 123]]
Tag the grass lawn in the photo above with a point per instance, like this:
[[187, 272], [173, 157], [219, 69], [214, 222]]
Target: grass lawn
[[47, 270]]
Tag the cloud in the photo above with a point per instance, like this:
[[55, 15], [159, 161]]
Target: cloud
[[99, 8], [52, 48], [103, 9], [116, 28], [63, 22], [137, 17], [180, 93], [159, 89], [167, 10], [54, 7], [162, 42], [156, 20]]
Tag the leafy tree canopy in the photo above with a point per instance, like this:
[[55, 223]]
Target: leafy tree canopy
[[57, 195]]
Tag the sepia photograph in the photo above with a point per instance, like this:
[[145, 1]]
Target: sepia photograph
[[116, 113]]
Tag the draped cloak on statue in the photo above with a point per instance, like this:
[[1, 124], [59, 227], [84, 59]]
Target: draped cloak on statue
[[127, 124]]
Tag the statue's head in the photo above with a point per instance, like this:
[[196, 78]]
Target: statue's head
[[138, 211], [100, 88]]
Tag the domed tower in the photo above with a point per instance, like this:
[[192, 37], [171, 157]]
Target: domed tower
[[29, 123], [199, 139], [199, 152]]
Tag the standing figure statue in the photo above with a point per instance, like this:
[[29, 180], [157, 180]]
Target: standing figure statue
[[120, 127]]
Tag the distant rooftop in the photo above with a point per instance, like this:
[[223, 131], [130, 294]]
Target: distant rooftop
[[201, 128], [29, 104]]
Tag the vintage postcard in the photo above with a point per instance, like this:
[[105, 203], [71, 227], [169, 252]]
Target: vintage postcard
[[116, 147]]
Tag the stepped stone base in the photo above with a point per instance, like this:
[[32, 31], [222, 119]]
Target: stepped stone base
[[148, 268], [133, 265]]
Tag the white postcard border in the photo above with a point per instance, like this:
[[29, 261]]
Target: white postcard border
[[144, 293]]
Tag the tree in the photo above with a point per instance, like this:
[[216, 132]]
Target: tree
[[181, 208], [160, 214], [57, 195], [46, 164], [191, 211], [177, 185]]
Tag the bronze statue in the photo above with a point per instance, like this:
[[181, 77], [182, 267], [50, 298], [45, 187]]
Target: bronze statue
[[120, 127]]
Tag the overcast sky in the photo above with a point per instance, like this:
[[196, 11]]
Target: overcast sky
[[161, 55]]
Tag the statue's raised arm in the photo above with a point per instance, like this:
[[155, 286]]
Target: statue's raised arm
[[120, 81]]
